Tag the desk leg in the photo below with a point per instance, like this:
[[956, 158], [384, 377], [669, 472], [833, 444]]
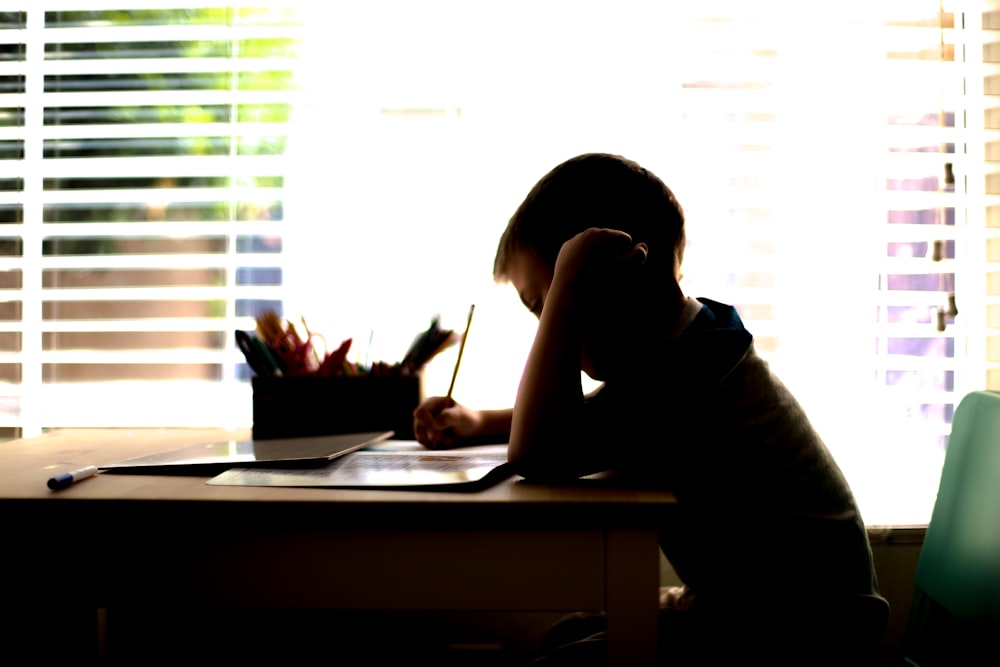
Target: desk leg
[[102, 636], [632, 584]]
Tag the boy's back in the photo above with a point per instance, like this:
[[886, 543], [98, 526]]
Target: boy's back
[[767, 537]]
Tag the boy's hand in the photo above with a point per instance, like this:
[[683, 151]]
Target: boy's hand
[[441, 423], [598, 254]]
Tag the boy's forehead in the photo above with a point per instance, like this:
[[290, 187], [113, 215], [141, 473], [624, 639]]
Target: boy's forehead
[[526, 271]]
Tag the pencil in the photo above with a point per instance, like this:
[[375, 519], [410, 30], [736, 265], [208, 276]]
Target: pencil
[[461, 348]]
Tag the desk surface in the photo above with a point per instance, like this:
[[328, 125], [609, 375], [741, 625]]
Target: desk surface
[[25, 465]]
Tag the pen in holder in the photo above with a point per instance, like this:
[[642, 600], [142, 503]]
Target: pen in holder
[[298, 392], [311, 405]]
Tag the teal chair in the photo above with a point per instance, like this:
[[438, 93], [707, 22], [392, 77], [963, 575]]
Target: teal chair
[[955, 614]]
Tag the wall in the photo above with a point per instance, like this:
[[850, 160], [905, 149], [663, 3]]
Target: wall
[[896, 551]]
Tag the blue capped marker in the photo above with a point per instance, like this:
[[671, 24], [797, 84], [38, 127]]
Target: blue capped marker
[[63, 480]]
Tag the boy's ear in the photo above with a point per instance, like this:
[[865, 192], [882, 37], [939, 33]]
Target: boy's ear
[[637, 255]]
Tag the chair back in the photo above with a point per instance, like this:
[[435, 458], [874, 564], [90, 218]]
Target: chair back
[[957, 583]]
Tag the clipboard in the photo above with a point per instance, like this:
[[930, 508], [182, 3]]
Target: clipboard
[[214, 457]]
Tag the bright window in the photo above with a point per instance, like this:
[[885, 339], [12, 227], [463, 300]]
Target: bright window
[[169, 169]]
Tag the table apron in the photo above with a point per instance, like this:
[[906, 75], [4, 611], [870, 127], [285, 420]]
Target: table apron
[[352, 569]]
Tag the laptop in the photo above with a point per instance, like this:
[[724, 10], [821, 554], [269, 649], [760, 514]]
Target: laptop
[[215, 457]]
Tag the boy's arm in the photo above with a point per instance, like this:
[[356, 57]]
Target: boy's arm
[[496, 422], [548, 437], [550, 396], [441, 423]]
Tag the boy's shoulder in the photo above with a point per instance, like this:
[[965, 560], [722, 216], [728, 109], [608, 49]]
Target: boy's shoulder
[[714, 324], [714, 315], [708, 342]]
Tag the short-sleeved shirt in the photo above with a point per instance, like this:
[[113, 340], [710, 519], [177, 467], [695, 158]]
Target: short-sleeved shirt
[[759, 496]]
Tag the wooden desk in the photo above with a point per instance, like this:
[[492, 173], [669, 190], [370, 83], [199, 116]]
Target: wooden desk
[[514, 547]]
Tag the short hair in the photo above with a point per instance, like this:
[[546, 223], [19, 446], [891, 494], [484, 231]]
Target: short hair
[[595, 190]]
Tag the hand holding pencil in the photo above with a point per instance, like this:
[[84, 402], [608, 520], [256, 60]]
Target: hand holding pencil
[[439, 422]]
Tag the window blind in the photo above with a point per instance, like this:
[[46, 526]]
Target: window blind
[[833, 176], [983, 81], [143, 201], [844, 217], [168, 169]]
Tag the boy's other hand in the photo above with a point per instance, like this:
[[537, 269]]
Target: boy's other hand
[[594, 252], [441, 423]]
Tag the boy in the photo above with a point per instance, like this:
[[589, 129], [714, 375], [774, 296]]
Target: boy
[[766, 536]]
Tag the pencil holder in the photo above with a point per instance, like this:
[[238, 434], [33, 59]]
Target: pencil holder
[[304, 406]]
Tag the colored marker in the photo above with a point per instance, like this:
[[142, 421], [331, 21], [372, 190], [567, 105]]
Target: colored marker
[[63, 480]]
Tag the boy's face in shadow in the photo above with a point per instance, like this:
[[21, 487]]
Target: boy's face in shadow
[[531, 278]]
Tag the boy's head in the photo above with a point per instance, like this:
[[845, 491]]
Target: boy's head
[[595, 190]]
